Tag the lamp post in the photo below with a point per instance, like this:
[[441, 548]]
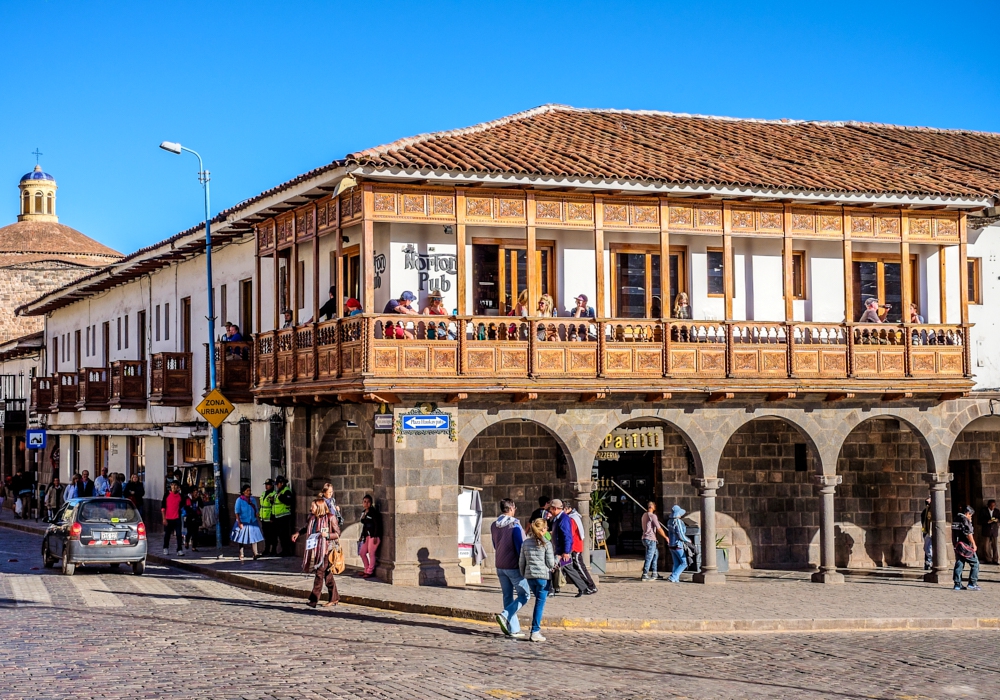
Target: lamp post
[[203, 178]]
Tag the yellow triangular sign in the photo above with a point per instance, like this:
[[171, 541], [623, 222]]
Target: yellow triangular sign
[[215, 408]]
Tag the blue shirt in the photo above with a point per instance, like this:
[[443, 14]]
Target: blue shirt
[[247, 513]]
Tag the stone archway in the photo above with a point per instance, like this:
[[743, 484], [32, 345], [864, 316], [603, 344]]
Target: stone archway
[[974, 464]]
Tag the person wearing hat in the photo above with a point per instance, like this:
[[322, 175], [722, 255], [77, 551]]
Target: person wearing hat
[[677, 532], [267, 519], [287, 313], [965, 550], [281, 515], [399, 306], [353, 307], [581, 310], [562, 544], [435, 304], [871, 314]]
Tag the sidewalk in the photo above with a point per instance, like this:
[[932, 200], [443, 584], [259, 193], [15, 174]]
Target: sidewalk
[[749, 601]]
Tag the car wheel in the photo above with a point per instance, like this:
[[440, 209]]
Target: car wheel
[[68, 568], [47, 560], [139, 568]]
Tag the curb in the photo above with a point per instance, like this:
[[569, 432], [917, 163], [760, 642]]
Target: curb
[[863, 624]]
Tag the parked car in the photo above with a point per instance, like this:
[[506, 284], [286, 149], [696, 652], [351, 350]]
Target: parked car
[[96, 531]]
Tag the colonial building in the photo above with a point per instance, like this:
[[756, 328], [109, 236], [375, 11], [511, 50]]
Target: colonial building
[[723, 366]]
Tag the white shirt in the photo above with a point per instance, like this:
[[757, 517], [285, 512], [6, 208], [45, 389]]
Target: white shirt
[[102, 487]]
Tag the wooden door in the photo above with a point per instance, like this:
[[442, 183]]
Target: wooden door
[[141, 330], [186, 324], [246, 308], [106, 344]]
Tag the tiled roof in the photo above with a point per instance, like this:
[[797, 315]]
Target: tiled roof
[[27, 237], [841, 157]]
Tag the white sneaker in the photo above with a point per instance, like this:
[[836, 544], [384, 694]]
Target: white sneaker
[[180, 553], [517, 635], [166, 552], [537, 637]]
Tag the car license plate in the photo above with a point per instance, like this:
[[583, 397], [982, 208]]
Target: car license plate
[[110, 535]]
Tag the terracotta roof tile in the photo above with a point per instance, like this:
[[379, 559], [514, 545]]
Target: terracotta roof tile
[[51, 237], [561, 141]]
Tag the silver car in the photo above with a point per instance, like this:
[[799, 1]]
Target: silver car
[[96, 531]]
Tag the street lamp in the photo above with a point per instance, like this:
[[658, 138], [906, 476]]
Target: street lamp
[[203, 178]]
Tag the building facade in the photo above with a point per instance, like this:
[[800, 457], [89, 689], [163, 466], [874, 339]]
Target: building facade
[[718, 361]]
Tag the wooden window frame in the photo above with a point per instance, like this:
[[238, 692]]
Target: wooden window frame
[[509, 244], [882, 259], [975, 281], [799, 291], [722, 252], [353, 251], [650, 250]]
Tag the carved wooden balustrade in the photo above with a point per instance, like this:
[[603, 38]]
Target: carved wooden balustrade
[[233, 370], [128, 384], [41, 394], [65, 392], [405, 347], [95, 389], [170, 379]]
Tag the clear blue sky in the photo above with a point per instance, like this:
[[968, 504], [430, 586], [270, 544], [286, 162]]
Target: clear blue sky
[[266, 91]]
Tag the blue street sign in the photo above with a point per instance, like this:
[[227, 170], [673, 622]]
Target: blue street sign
[[427, 423], [36, 439]]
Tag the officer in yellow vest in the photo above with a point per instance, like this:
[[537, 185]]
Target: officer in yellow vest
[[267, 520], [281, 515]]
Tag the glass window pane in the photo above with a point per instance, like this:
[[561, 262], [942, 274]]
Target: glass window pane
[[893, 292], [715, 283], [674, 279], [865, 285], [656, 305], [798, 288], [485, 279], [631, 293], [545, 271], [972, 282]]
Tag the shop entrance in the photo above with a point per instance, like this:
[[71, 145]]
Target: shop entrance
[[636, 473]]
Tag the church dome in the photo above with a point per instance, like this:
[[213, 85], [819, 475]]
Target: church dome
[[49, 238], [37, 174]]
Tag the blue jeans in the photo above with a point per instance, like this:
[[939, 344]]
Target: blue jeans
[[680, 563], [512, 582], [652, 557], [973, 570], [540, 587]]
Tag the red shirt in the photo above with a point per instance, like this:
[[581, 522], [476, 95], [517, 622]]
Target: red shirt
[[577, 539], [172, 506]]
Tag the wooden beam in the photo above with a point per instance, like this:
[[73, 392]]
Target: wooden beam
[[963, 268], [460, 262], [839, 396], [381, 398], [349, 398], [666, 303], [257, 312], [942, 282], [599, 271], [521, 398], [896, 395], [952, 395], [849, 316], [717, 396], [780, 395], [455, 398], [338, 274], [727, 259], [276, 285], [658, 396], [788, 260], [596, 396], [532, 271], [315, 270], [905, 270], [368, 249]]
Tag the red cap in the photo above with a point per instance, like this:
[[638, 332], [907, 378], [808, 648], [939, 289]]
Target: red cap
[[353, 303]]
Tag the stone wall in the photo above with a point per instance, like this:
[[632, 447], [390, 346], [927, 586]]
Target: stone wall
[[767, 513], [345, 459], [519, 460], [20, 284], [878, 505]]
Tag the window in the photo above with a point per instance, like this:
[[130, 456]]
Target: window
[[880, 277], [246, 307], [26, 205], [500, 274], [245, 476], [223, 305], [716, 270], [55, 355], [169, 454], [126, 332], [48, 203], [799, 274], [194, 450], [137, 457], [300, 285], [166, 321], [351, 271], [635, 277], [156, 332], [38, 203], [74, 456], [119, 332], [975, 290], [100, 452]]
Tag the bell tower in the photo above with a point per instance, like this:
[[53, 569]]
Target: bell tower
[[37, 197]]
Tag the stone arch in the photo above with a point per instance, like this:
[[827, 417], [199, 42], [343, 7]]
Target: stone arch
[[882, 462], [974, 462], [343, 456]]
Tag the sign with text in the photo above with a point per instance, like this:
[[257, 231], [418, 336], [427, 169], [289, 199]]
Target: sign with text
[[215, 408], [426, 423], [634, 439]]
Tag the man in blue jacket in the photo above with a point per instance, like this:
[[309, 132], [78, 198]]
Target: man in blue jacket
[[562, 545]]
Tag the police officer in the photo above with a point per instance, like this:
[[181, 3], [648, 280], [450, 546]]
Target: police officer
[[267, 520], [281, 515]]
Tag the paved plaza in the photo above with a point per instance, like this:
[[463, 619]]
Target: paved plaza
[[173, 633]]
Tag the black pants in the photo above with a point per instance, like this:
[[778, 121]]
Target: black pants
[[283, 528], [270, 537], [574, 577], [175, 527], [582, 569]]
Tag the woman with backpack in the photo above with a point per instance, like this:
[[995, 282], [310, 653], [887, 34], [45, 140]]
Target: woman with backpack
[[677, 532], [536, 563]]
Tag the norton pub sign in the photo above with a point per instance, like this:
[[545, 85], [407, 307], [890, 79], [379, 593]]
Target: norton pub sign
[[634, 439]]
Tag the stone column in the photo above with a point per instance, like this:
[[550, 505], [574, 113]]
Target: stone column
[[827, 550], [941, 573], [709, 569], [581, 501]]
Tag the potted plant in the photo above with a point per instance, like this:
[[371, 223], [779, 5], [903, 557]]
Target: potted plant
[[598, 557], [721, 554]]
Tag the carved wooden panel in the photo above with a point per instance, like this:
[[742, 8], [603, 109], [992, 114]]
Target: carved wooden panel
[[763, 360], [876, 361], [566, 359], [813, 361], [762, 221], [703, 359], [564, 212], [328, 361], [936, 360], [632, 214], [694, 217], [485, 358], [628, 359], [351, 358]]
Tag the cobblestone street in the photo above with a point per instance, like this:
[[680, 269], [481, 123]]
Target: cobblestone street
[[171, 634]]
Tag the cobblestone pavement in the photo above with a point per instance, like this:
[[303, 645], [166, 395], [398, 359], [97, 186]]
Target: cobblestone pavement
[[171, 634]]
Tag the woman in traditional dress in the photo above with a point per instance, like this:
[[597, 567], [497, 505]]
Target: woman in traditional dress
[[247, 529], [322, 534]]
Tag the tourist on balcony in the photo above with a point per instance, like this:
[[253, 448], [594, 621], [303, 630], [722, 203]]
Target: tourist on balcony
[[582, 310], [353, 307], [232, 334], [328, 311], [521, 307], [682, 308], [287, 323], [435, 304], [914, 316], [871, 314], [400, 306]]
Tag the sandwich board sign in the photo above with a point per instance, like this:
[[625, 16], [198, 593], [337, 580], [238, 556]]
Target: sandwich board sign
[[215, 408]]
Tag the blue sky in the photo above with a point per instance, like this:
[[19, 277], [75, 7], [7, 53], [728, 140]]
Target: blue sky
[[267, 91]]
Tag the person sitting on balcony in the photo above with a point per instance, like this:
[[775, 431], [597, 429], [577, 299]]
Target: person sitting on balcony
[[582, 310], [546, 309], [400, 306], [287, 313], [682, 308], [353, 307], [435, 305], [871, 314], [232, 334], [914, 316], [521, 307], [328, 311]]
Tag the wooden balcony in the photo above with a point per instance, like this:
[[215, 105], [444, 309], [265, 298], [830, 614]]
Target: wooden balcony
[[170, 379], [95, 389], [65, 392], [41, 395], [128, 384], [423, 354], [233, 370]]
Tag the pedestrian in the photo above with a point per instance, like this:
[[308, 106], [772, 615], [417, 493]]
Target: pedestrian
[[102, 485], [576, 556], [192, 520], [508, 536], [117, 484], [23, 487], [542, 511], [135, 492], [989, 520], [678, 538], [965, 550], [371, 535], [331, 504], [562, 545], [650, 527], [322, 534], [85, 489], [927, 532], [281, 515], [247, 529], [170, 509], [267, 520], [53, 497], [536, 560]]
